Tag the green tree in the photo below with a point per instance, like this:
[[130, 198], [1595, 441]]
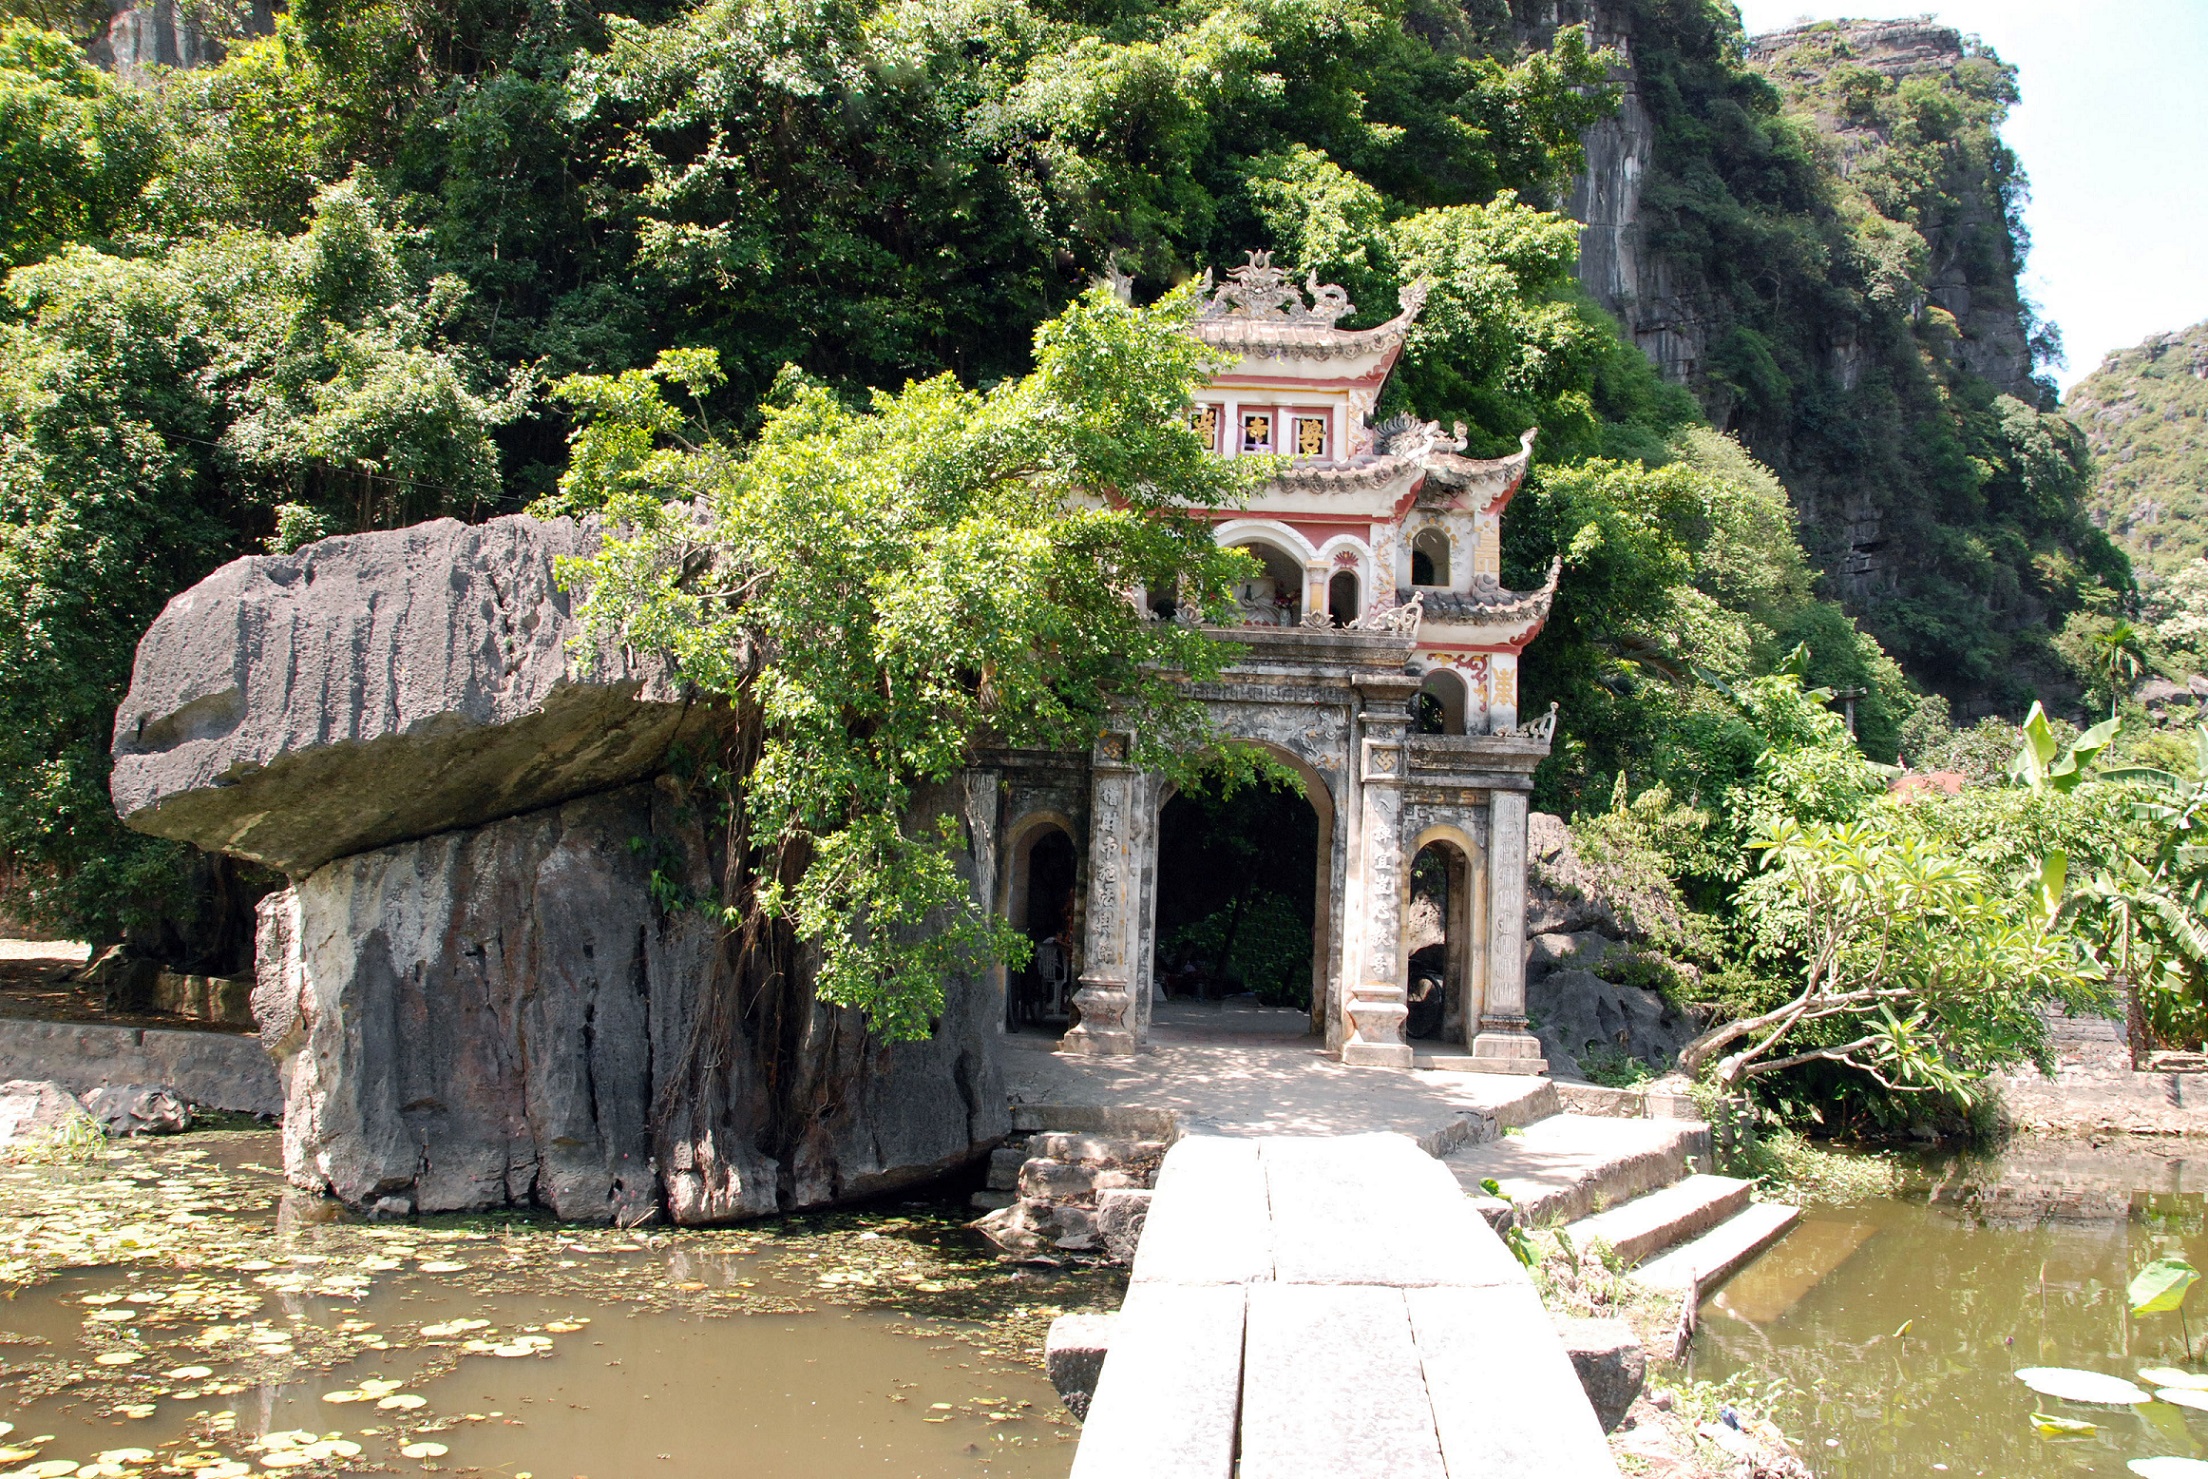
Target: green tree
[[154, 412], [1914, 967], [76, 148], [876, 590]]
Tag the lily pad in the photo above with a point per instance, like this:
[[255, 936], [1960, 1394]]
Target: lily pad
[[2160, 1286], [2052, 1426], [2191, 1397], [2168, 1468], [2073, 1385], [2170, 1376], [424, 1450]]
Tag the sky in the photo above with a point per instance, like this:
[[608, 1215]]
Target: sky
[[2113, 133]]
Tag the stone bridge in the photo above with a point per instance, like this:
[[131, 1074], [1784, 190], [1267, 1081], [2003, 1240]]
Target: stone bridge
[[1330, 1308]]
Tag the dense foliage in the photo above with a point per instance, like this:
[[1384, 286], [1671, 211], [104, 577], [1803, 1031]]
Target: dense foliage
[[1843, 230], [2145, 412]]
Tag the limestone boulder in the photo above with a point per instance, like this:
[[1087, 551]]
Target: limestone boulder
[[138, 1109], [502, 1016], [1576, 1013], [373, 688]]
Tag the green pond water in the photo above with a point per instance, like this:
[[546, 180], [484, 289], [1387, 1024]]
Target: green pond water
[[1994, 1265], [171, 1309]]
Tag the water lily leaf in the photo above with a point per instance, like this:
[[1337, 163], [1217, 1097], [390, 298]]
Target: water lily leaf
[[2160, 1287], [2192, 1397], [424, 1450], [2062, 1427], [2073, 1385], [402, 1402], [2170, 1376], [2168, 1468]]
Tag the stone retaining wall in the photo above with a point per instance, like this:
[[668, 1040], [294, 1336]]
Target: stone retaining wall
[[218, 1070]]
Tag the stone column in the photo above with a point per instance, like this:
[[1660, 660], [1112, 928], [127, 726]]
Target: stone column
[[1375, 1005], [1103, 1000], [1503, 1044]]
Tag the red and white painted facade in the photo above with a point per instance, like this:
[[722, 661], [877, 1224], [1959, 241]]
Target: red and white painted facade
[[1385, 527]]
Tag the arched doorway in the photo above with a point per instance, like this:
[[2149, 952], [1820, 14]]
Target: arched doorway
[[1244, 902], [1042, 904], [1439, 989]]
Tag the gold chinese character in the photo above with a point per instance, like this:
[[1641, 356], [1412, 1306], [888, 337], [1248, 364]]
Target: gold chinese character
[[1310, 436], [1257, 433], [1204, 421]]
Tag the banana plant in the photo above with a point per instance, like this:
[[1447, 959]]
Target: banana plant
[[2044, 765], [2152, 914]]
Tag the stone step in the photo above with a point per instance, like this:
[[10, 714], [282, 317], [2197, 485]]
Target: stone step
[[1695, 1268], [1650, 1224], [1004, 1166], [1569, 1166]]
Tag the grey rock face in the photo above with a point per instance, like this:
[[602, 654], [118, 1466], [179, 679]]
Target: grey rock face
[[1578, 1012], [367, 689], [1610, 1362], [138, 1109], [31, 1108], [501, 1016]]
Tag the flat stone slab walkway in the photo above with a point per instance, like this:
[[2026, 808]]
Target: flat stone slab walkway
[[1256, 1080], [1330, 1309]]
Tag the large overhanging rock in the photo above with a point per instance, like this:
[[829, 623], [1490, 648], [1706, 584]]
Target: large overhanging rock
[[504, 1016], [368, 689]]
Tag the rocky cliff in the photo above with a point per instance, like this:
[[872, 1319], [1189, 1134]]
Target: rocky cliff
[[2145, 411], [1817, 232], [496, 978]]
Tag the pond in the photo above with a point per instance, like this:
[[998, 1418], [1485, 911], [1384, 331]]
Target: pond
[[173, 1310], [1898, 1323]]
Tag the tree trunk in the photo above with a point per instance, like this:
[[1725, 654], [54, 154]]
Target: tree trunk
[[2135, 1024]]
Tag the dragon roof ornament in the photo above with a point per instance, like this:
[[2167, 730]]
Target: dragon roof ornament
[[1257, 289], [1260, 312]]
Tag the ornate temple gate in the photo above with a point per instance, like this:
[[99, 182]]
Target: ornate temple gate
[[1380, 661], [1337, 707]]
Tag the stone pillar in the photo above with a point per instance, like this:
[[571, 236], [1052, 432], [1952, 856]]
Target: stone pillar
[[1503, 1044], [1375, 1005], [1103, 1000]]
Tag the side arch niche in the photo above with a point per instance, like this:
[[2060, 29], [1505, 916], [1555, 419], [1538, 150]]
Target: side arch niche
[[1443, 981], [1439, 706], [1430, 557], [1274, 596], [1042, 901], [1341, 598]]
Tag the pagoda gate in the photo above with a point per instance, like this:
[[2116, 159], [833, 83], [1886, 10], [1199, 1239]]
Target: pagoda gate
[[1380, 662]]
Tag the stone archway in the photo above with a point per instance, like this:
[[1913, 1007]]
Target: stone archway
[[1326, 880]]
